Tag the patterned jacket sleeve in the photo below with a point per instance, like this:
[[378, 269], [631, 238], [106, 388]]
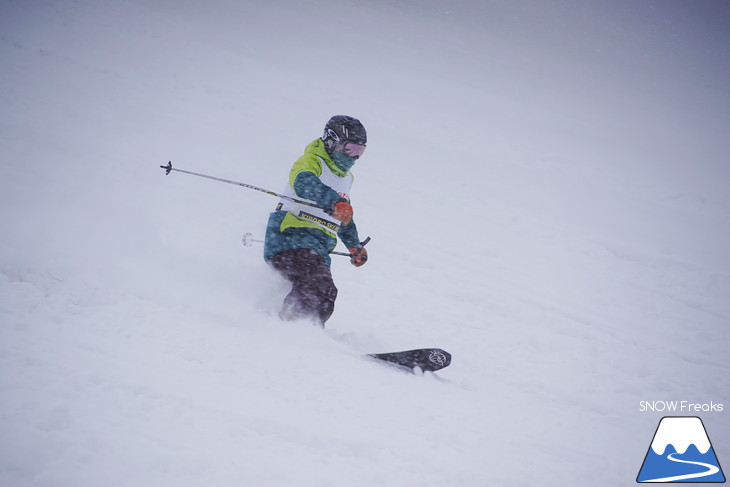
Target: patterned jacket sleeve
[[304, 179]]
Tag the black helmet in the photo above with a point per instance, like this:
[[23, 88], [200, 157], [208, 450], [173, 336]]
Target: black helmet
[[342, 129]]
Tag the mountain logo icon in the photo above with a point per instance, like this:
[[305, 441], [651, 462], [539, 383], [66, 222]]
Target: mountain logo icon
[[680, 452]]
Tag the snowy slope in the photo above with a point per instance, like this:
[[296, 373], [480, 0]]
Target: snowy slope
[[546, 191]]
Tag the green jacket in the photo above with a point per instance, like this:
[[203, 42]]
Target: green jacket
[[286, 231]]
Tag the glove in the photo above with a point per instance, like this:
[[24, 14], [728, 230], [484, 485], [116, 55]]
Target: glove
[[342, 210], [358, 255]]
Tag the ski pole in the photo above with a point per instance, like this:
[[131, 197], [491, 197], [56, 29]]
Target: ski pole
[[248, 241], [168, 168]]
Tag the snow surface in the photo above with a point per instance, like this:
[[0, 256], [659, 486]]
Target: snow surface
[[546, 188]]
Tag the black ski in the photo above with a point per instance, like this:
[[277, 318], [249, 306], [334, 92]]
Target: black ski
[[427, 359]]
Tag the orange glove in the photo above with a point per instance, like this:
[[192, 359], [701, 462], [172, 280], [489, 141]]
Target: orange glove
[[342, 210], [358, 255]]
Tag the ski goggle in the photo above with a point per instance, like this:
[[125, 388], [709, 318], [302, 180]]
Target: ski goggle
[[352, 149]]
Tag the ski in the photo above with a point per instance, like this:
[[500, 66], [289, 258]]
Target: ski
[[427, 359]]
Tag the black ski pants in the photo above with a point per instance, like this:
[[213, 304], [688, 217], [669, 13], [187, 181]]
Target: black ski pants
[[313, 291]]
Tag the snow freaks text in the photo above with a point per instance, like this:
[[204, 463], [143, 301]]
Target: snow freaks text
[[680, 407]]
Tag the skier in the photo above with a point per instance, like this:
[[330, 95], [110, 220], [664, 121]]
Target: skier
[[299, 238]]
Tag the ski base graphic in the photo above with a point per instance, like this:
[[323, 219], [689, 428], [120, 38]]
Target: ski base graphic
[[427, 359]]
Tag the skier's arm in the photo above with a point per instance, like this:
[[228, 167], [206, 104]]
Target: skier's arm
[[304, 180], [348, 235], [307, 185]]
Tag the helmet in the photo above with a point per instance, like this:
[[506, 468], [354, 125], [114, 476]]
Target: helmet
[[342, 129]]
